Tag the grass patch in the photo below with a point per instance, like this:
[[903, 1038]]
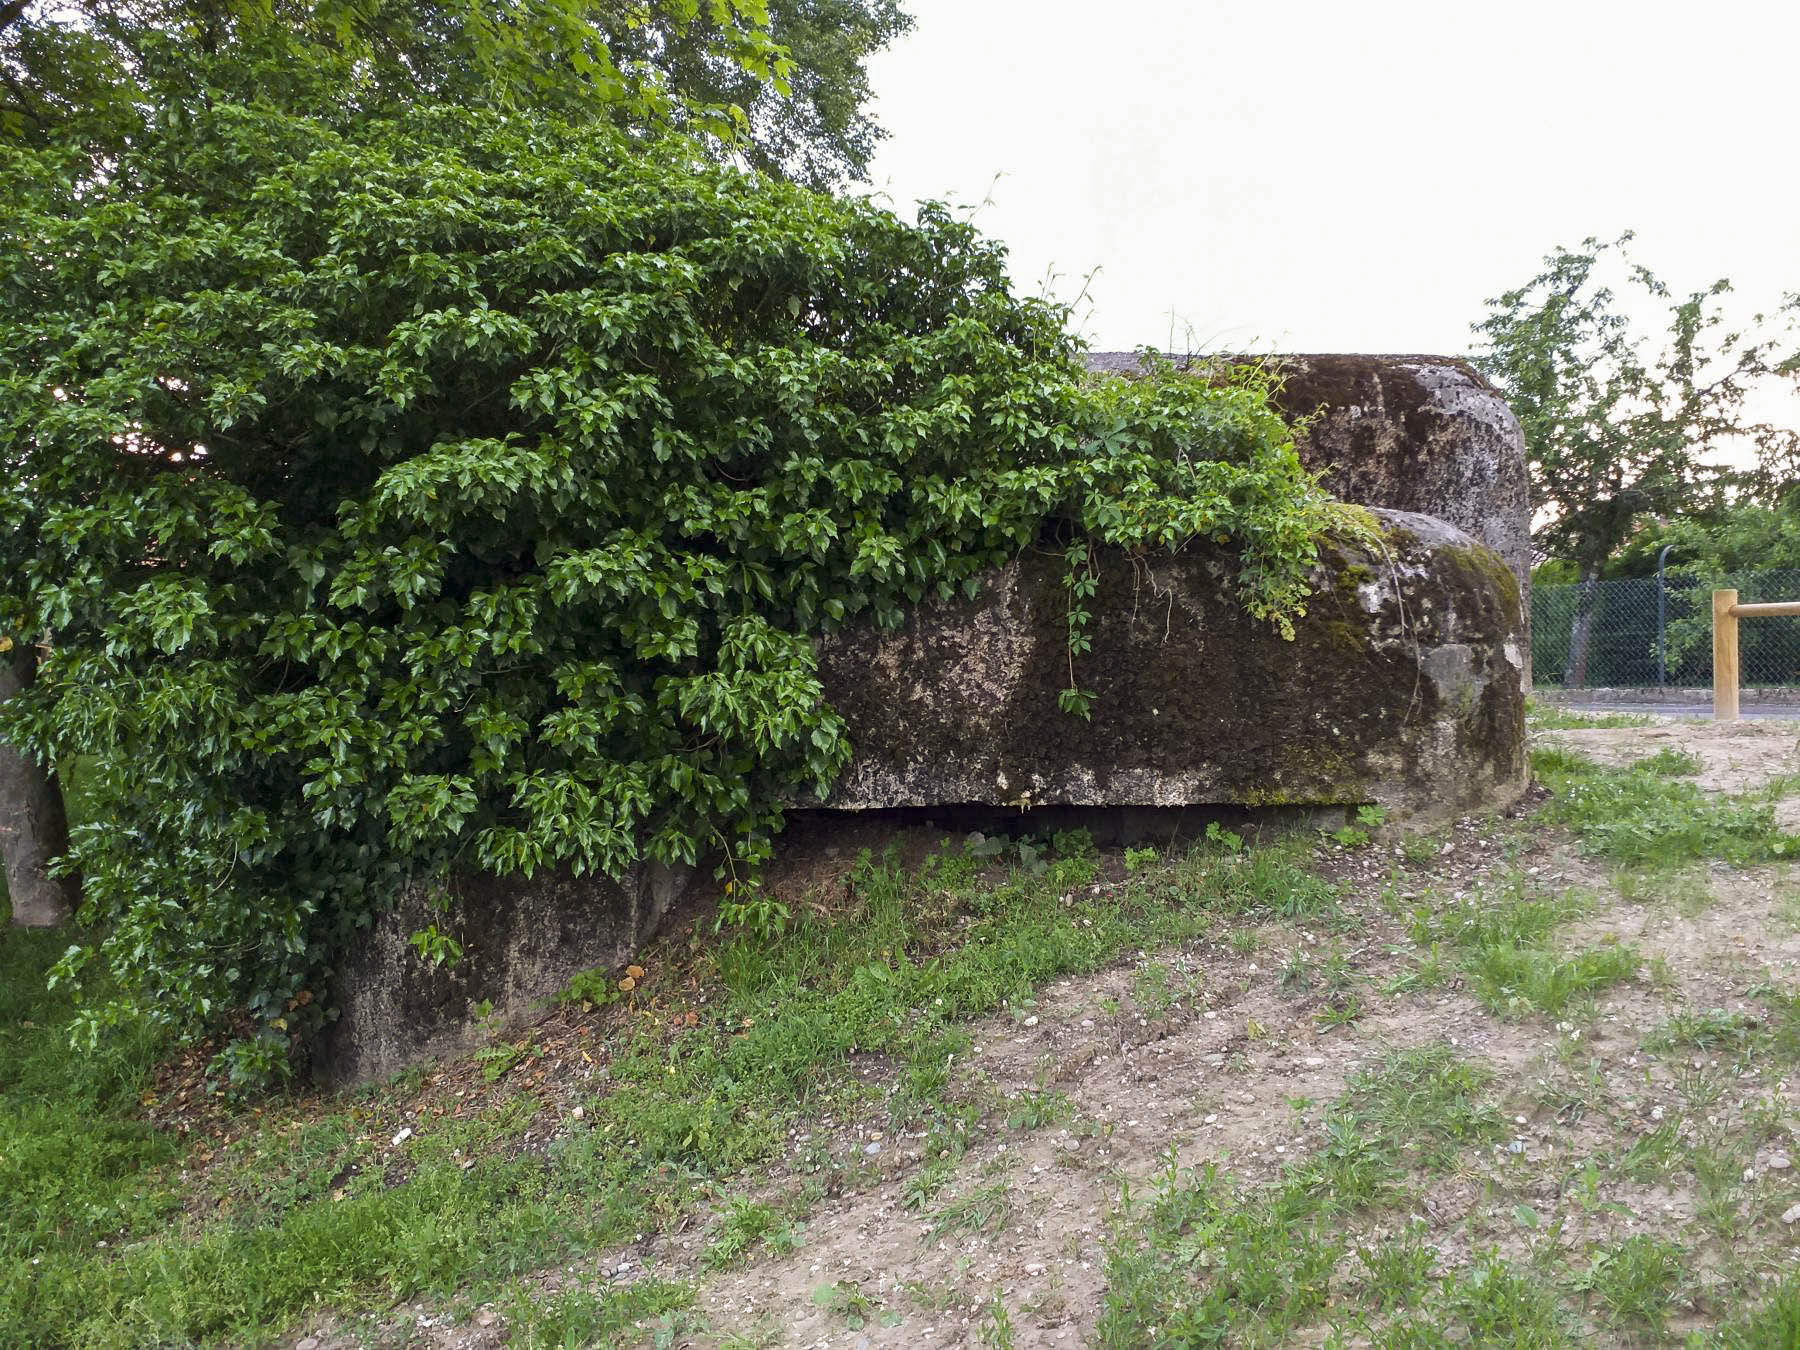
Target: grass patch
[[104, 1243], [1775, 1321], [646, 1310], [1636, 1281], [1202, 1261], [1655, 1155], [1427, 1104], [1684, 887], [1642, 816], [1714, 1029], [986, 1209], [1541, 716], [1502, 939]]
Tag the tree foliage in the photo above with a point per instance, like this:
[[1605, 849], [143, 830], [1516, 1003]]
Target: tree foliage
[[812, 128], [1617, 427], [106, 73], [783, 85], [468, 488]]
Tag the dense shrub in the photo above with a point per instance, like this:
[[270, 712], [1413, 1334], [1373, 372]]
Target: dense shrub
[[468, 491]]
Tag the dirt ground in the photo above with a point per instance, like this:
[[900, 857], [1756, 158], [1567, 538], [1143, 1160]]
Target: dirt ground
[[1206, 1053]]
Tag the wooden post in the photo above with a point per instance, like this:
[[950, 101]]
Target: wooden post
[[1725, 656]]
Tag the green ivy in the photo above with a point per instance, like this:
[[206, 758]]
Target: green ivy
[[471, 491]]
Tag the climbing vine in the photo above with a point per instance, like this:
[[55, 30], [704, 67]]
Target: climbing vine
[[469, 490]]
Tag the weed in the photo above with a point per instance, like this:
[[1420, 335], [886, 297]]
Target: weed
[[1775, 1321], [1335, 970], [1719, 1158], [1397, 1270], [1035, 1110], [1515, 980], [744, 1224], [497, 1060], [1296, 971], [1429, 971], [1427, 1103], [1202, 1264], [1139, 860], [1276, 880], [922, 1186], [1205, 1263], [1151, 990], [1422, 848], [996, 1330], [1340, 1012], [1711, 1030], [1222, 839], [986, 1209], [1653, 1155], [592, 988], [1637, 1280], [1489, 1304], [846, 1301]]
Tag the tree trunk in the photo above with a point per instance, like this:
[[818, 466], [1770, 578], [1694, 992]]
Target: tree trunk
[[1581, 631], [33, 826]]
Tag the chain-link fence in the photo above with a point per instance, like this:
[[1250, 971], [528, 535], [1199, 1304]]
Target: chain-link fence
[[1641, 633]]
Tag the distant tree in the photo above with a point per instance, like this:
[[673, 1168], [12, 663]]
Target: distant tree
[[817, 129], [783, 86], [1617, 427]]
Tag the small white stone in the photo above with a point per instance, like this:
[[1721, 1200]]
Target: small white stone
[[1778, 1162], [403, 1136], [1792, 1215], [1031, 1021]]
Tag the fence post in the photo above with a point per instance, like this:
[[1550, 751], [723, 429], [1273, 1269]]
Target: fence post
[[1725, 656], [1662, 620]]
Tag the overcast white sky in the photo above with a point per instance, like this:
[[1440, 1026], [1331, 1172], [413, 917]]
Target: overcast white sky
[[1347, 177]]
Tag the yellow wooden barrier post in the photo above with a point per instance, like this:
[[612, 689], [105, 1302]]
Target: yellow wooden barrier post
[[1725, 656]]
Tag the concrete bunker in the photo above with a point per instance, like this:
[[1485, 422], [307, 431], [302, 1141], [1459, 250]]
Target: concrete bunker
[[1403, 686]]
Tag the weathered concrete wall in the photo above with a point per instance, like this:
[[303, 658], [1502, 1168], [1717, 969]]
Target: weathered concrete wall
[[1402, 685], [1412, 433], [522, 940]]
